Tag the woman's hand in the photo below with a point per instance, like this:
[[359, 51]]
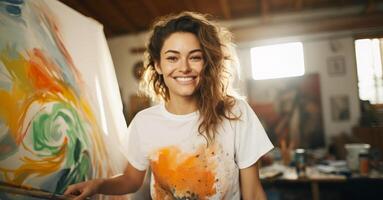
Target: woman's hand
[[84, 189], [128, 182]]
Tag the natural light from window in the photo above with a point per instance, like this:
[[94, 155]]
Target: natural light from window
[[369, 68], [277, 61]]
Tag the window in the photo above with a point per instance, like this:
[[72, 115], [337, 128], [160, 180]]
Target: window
[[277, 61], [369, 67]]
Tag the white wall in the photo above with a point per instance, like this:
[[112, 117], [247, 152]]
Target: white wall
[[124, 60], [316, 54]]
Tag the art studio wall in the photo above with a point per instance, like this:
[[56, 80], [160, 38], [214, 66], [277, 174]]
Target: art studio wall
[[317, 53]]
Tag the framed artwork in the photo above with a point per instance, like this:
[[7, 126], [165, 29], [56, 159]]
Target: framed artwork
[[290, 109], [336, 66], [340, 108], [138, 70]]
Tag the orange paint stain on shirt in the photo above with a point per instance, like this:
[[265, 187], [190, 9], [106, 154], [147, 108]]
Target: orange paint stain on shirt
[[179, 174]]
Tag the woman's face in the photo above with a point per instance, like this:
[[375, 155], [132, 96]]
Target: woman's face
[[181, 63]]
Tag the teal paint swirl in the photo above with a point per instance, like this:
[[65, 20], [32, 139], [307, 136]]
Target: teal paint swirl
[[47, 132]]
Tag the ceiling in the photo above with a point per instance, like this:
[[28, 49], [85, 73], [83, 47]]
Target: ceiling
[[132, 16]]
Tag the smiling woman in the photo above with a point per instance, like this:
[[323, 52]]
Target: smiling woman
[[203, 142], [214, 89]]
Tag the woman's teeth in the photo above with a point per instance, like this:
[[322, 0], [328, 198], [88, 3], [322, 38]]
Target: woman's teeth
[[184, 78]]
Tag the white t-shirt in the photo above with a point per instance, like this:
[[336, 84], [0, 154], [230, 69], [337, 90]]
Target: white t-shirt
[[183, 165]]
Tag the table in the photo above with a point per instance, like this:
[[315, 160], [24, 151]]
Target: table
[[320, 185]]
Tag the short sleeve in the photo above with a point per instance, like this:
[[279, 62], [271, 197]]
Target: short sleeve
[[251, 140], [133, 150]]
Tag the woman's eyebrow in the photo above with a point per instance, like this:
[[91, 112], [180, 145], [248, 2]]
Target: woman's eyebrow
[[195, 50], [177, 52], [172, 51]]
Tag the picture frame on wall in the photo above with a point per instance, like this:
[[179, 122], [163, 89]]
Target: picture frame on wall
[[340, 108], [336, 66]]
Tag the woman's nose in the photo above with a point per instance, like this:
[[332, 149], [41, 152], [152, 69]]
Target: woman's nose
[[184, 65]]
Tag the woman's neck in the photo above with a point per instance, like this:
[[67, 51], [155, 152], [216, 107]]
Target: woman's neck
[[181, 106]]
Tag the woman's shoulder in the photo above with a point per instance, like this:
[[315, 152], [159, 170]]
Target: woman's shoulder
[[151, 111], [240, 101], [240, 105]]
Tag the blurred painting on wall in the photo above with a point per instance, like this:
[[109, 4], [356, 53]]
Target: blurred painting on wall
[[55, 120], [290, 109], [340, 108], [336, 66]]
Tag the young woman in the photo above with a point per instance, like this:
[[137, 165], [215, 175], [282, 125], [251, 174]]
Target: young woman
[[201, 141]]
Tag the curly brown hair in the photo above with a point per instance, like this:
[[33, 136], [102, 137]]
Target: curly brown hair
[[215, 98]]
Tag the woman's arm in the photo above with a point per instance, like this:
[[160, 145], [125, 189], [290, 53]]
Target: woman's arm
[[128, 182], [251, 188]]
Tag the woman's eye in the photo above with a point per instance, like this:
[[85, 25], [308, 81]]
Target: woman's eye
[[172, 58], [196, 58]]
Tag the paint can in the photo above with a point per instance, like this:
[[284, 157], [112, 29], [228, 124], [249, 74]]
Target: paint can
[[300, 162]]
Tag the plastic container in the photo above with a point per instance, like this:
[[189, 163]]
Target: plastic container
[[352, 154]]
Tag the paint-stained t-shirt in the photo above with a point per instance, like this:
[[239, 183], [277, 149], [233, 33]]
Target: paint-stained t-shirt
[[183, 165]]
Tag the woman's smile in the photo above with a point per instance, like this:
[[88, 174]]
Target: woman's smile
[[185, 80]]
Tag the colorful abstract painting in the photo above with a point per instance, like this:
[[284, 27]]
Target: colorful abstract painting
[[290, 110], [51, 131]]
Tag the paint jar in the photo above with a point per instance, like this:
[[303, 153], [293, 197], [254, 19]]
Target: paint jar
[[363, 164], [300, 162]]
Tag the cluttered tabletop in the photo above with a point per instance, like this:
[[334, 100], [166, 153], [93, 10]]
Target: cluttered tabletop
[[322, 177]]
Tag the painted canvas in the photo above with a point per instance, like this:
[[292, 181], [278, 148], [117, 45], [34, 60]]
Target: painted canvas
[[290, 110], [60, 110]]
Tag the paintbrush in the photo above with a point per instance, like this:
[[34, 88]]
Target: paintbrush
[[32, 192]]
